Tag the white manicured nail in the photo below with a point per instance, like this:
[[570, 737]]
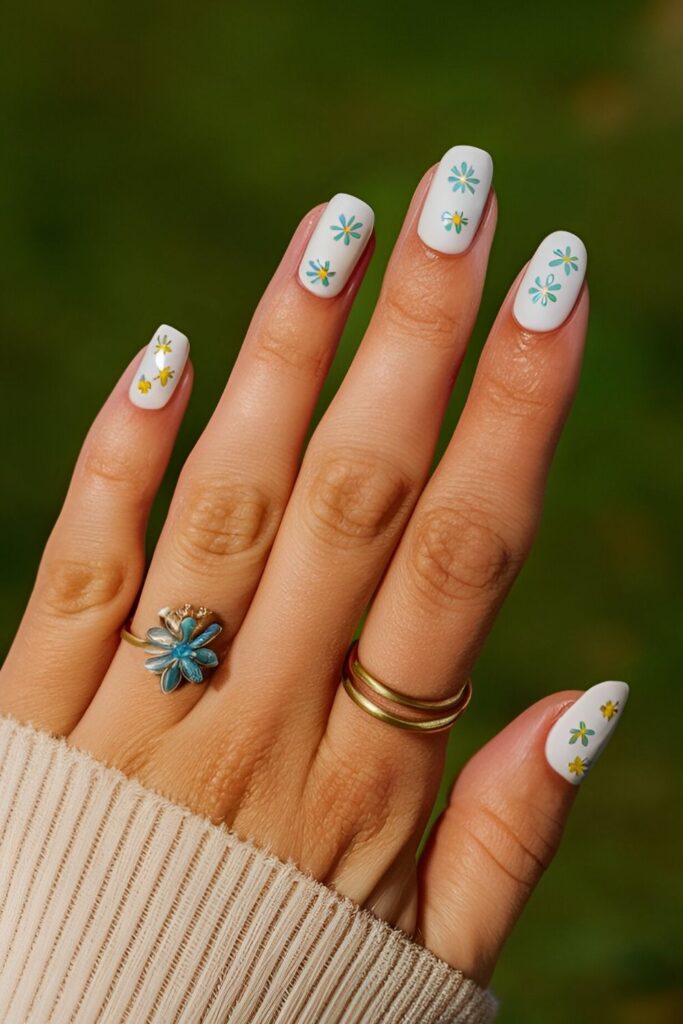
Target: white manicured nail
[[579, 737], [336, 245], [552, 282], [160, 369], [456, 199]]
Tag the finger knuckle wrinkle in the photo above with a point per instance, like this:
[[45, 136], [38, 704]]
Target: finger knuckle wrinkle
[[410, 308], [280, 343], [457, 553], [352, 801], [518, 388], [111, 463], [74, 586], [521, 854], [223, 519], [353, 499]]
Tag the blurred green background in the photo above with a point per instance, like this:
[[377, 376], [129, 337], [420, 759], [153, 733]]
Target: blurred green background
[[156, 157]]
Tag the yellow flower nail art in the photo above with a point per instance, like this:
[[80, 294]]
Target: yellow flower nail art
[[160, 369], [164, 345], [578, 767], [609, 709], [164, 375]]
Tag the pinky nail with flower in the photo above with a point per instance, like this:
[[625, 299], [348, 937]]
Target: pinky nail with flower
[[160, 369], [589, 722]]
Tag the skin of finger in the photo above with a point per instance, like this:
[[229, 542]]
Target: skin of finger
[[425, 639], [475, 521], [241, 747], [360, 478], [93, 562], [498, 835], [229, 499]]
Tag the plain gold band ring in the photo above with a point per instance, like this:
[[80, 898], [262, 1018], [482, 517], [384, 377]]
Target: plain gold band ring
[[354, 671], [382, 690], [411, 725]]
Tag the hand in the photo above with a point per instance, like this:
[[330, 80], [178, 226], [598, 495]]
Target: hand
[[290, 557]]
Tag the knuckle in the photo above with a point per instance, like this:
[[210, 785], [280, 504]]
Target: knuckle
[[353, 801], [236, 783], [219, 519], [517, 385], [416, 308], [513, 842], [354, 498], [279, 341], [111, 461], [456, 553], [75, 586]]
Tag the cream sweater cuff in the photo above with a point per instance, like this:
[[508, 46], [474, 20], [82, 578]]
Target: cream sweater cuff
[[117, 905]]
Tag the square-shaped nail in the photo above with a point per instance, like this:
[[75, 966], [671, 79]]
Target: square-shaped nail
[[552, 281], [580, 735], [456, 199], [160, 369], [336, 245]]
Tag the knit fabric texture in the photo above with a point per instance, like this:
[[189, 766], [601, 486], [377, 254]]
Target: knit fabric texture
[[118, 905]]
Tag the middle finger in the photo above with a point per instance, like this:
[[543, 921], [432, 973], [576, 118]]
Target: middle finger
[[369, 458]]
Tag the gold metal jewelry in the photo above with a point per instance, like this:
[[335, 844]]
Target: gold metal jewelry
[[353, 671], [382, 690], [171, 618], [410, 724], [131, 638]]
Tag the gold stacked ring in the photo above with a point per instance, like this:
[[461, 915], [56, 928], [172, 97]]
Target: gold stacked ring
[[444, 713]]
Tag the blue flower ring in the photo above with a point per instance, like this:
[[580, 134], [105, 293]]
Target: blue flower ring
[[183, 638]]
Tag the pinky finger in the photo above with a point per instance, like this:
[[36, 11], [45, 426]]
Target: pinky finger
[[504, 823], [93, 563]]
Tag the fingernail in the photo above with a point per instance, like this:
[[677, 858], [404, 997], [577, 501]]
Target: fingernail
[[552, 282], [456, 199], [336, 245], [160, 369], [580, 735]]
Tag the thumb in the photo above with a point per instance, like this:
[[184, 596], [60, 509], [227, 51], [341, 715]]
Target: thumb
[[504, 822]]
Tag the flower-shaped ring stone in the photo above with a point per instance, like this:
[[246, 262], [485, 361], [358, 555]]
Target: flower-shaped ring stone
[[180, 646]]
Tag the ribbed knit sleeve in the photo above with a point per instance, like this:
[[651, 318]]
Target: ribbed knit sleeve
[[117, 905]]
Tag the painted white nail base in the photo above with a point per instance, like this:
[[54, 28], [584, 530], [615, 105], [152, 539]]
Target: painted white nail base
[[456, 199], [336, 245], [549, 289], [160, 369], [579, 737]]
